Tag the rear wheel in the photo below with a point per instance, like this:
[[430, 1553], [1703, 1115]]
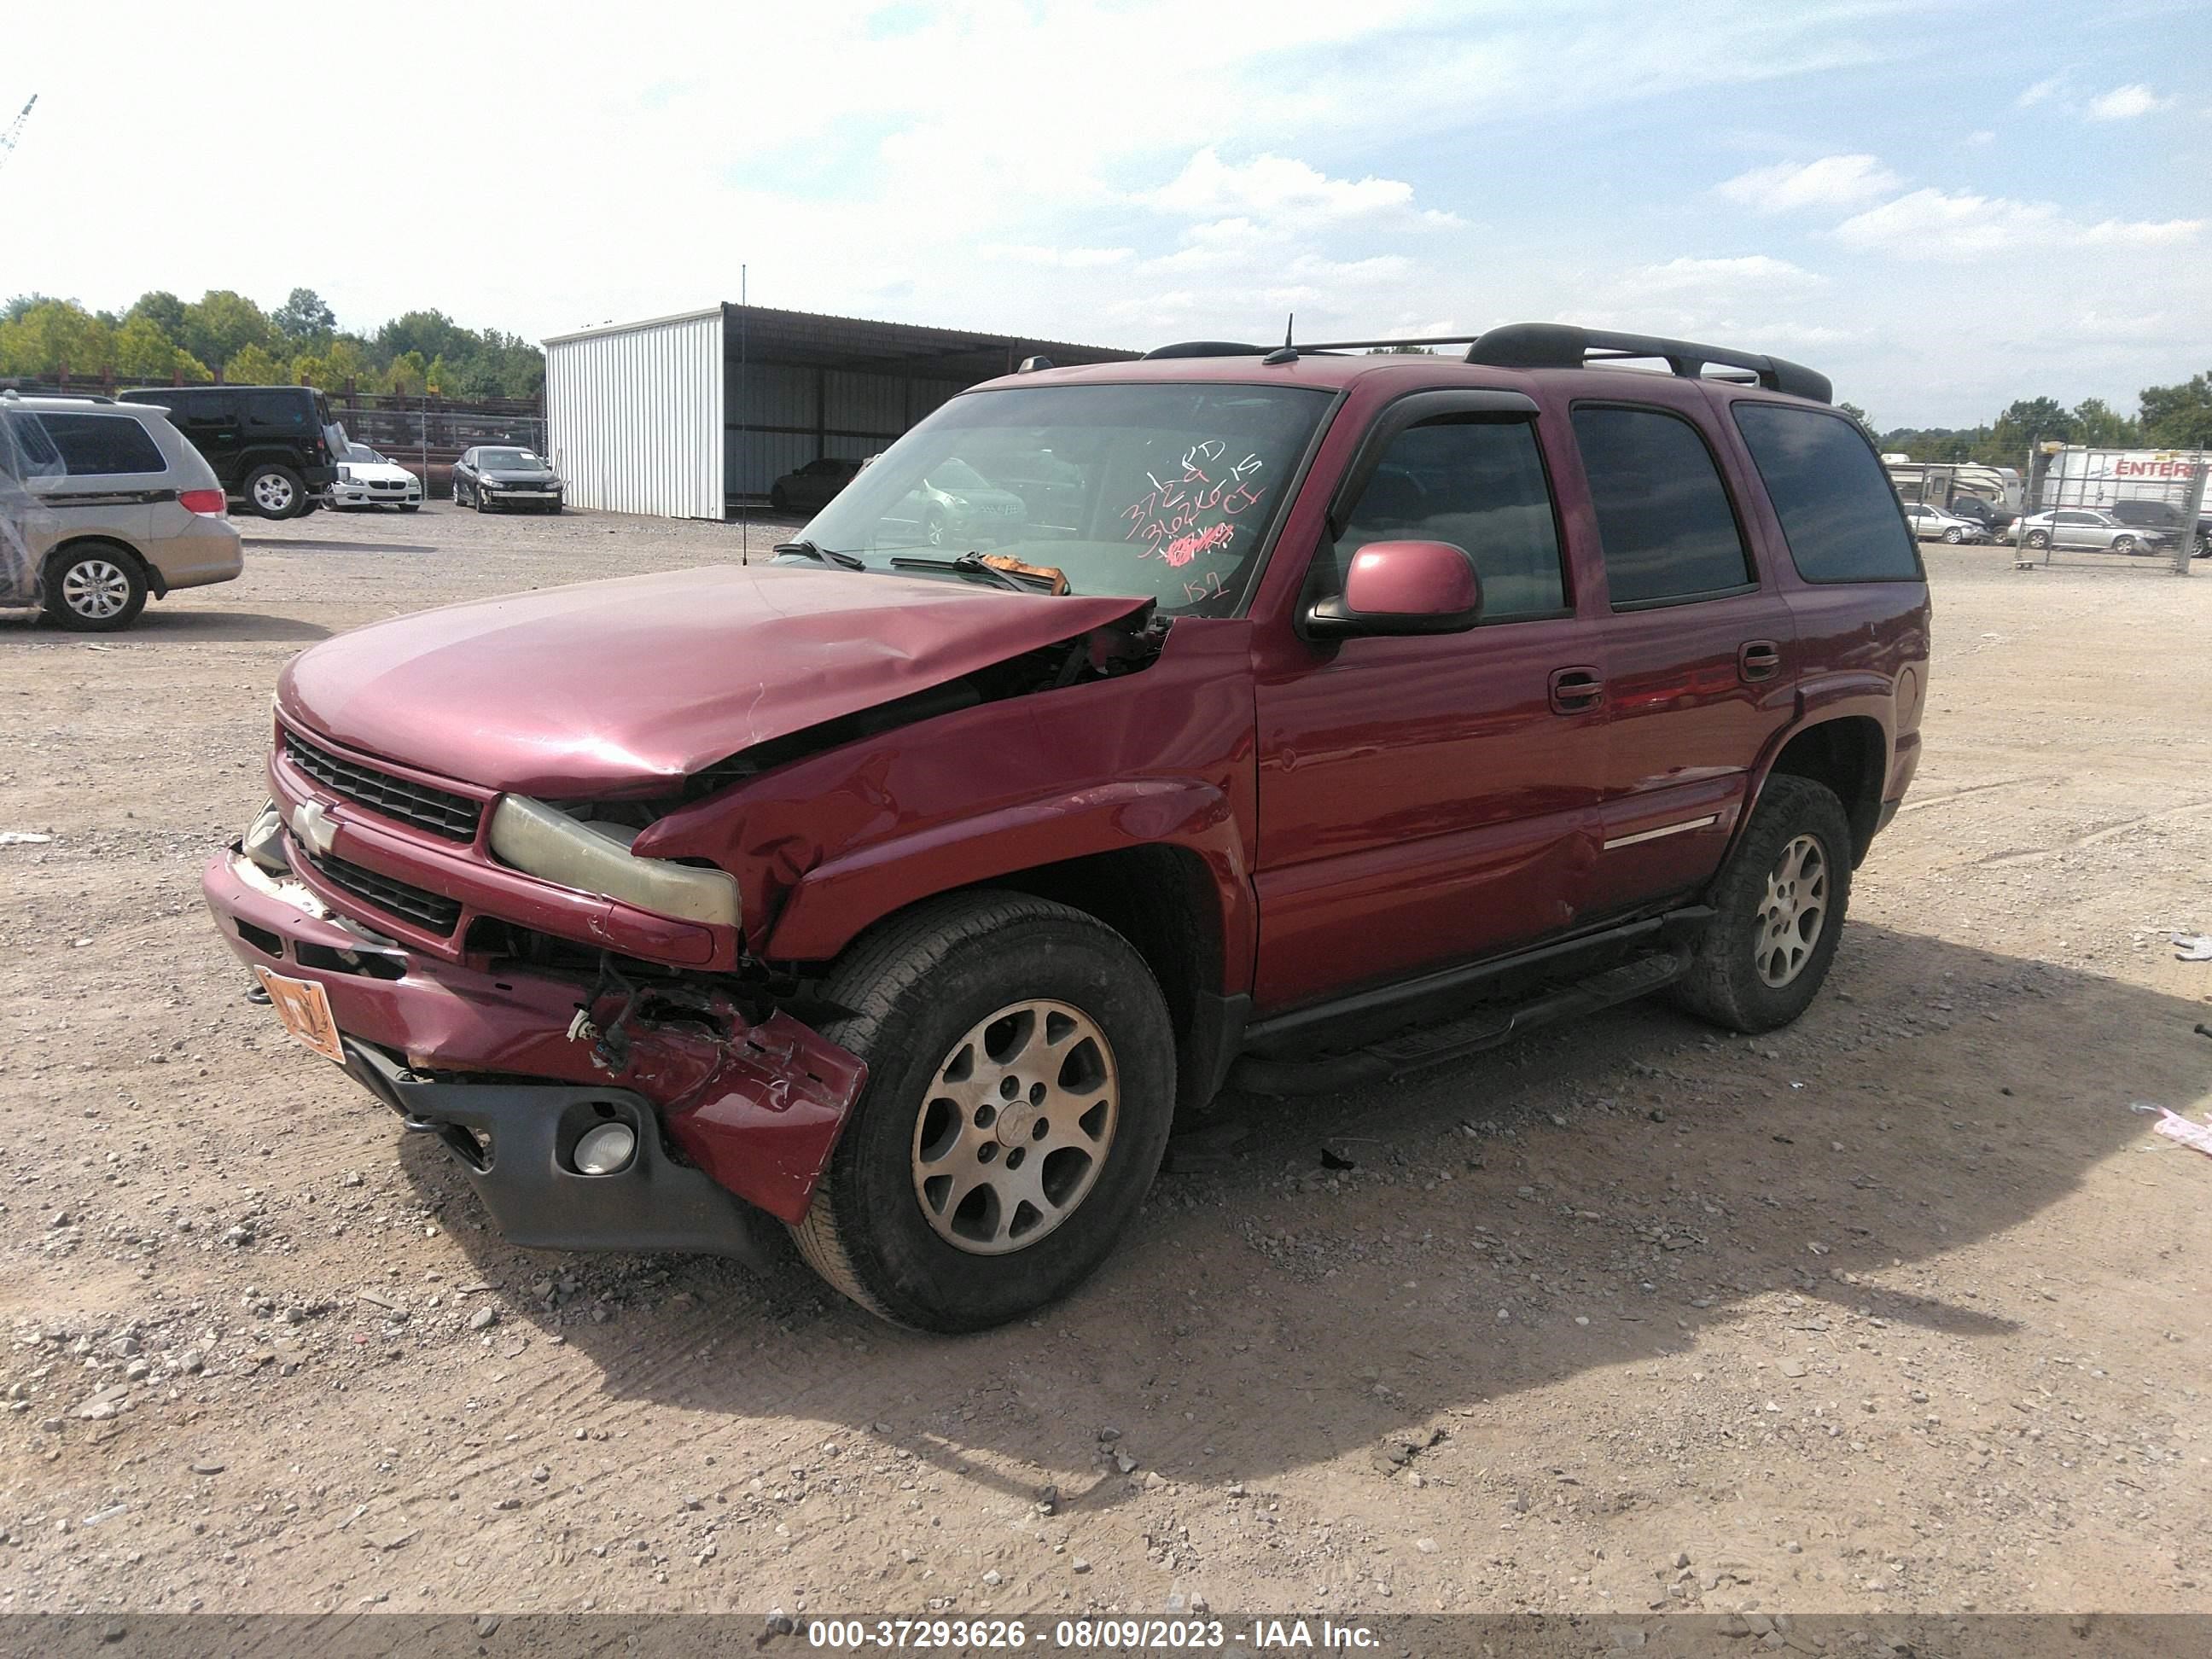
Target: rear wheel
[[1777, 911], [276, 492], [1021, 1080], [94, 589], [2038, 539]]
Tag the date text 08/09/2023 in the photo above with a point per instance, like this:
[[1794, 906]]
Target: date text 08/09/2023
[[1092, 1635]]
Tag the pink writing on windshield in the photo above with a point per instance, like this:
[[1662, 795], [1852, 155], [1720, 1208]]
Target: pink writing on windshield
[[1167, 520]]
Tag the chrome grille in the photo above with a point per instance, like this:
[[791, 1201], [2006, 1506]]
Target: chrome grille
[[438, 811]]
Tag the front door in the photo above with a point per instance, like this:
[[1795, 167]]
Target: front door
[[1424, 801]]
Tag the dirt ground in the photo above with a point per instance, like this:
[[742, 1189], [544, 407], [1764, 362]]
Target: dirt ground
[[1900, 1308]]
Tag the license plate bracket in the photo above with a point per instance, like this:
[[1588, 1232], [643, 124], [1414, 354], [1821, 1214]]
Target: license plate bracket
[[303, 1007]]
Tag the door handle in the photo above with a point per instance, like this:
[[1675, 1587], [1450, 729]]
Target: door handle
[[1757, 660], [1576, 691]]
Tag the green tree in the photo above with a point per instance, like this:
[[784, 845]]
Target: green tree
[[2180, 417], [2026, 421], [303, 318], [163, 309], [23, 302], [221, 323], [256, 365], [426, 334], [2100, 424], [406, 374], [142, 352], [54, 335]]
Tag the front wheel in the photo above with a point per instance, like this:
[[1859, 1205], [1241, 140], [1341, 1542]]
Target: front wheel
[[1954, 537], [2123, 544], [1777, 911], [1021, 1078]]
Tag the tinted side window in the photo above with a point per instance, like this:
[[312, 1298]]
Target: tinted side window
[[40, 458], [1837, 513], [1663, 518], [95, 443], [280, 411], [1478, 485]]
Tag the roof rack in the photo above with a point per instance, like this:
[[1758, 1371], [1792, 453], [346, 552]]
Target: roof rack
[[1562, 345]]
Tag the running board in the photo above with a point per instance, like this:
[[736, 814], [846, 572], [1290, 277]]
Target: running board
[[1470, 1034]]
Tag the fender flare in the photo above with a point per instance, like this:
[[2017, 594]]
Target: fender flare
[[836, 900], [1843, 696]]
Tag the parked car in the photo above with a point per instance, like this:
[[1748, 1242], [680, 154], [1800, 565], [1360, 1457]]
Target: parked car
[[1372, 708], [1934, 524], [123, 507], [492, 475], [366, 478], [2093, 527], [1992, 516], [270, 445], [952, 502], [812, 487]]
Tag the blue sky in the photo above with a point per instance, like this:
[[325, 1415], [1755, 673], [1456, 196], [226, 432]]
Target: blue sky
[[1943, 206]]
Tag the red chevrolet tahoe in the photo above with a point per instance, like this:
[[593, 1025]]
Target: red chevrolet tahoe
[[1273, 720]]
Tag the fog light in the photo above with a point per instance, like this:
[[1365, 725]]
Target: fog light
[[606, 1149]]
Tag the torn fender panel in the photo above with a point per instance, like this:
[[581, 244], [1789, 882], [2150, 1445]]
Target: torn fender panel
[[623, 688], [759, 1110]]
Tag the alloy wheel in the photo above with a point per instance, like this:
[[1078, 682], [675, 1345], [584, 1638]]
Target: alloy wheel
[[1016, 1127], [95, 589], [1795, 910]]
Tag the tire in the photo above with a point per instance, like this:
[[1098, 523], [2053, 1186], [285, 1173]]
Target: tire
[[476, 501], [97, 587], [276, 492], [411, 507], [1954, 537], [1732, 973], [934, 989], [2123, 544], [778, 499], [2038, 539]]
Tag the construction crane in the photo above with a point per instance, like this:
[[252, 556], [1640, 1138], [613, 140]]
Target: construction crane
[[14, 131]]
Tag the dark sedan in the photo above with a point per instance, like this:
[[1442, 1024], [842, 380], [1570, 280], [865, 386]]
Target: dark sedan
[[489, 476], [812, 486]]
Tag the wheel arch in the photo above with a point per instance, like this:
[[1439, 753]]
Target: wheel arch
[[1849, 754], [148, 572]]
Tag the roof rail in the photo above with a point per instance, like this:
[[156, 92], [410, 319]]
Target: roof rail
[[1204, 348], [1561, 345]]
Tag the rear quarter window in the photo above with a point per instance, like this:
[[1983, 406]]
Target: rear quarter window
[[279, 412], [1838, 510], [96, 445]]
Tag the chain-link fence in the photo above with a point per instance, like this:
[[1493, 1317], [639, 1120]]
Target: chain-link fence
[[2084, 501]]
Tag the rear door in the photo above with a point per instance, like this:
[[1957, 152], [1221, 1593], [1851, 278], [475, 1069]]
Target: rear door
[[1699, 650], [1425, 801], [113, 473], [208, 416]]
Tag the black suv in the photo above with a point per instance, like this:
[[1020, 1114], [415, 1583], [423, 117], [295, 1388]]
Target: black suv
[[268, 445]]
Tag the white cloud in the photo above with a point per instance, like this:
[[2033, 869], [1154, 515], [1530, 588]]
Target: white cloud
[[1980, 136], [1275, 189], [1934, 224], [1757, 270], [1832, 181], [2125, 103], [1067, 258], [2050, 87]]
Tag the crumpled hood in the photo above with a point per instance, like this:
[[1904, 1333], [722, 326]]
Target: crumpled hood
[[617, 687]]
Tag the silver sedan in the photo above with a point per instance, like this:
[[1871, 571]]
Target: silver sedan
[[2088, 526]]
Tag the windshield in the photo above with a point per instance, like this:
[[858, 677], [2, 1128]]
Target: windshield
[[1163, 492], [510, 460], [361, 453]]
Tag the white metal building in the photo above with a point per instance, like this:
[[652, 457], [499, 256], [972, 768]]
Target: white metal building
[[679, 417]]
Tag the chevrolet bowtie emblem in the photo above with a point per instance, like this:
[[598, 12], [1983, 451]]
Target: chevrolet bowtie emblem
[[314, 826]]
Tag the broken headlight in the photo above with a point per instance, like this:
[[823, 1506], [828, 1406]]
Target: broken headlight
[[595, 858]]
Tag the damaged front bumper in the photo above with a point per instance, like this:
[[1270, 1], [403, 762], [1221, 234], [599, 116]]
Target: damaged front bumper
[[733, 1119]]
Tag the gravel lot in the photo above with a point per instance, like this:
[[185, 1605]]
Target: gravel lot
[[1898, 1309]]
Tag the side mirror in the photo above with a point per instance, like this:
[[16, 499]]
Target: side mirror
[[1399, 588]]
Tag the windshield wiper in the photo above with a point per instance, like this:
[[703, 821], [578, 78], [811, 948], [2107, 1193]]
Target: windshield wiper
[[827, 556], [971, 563]]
